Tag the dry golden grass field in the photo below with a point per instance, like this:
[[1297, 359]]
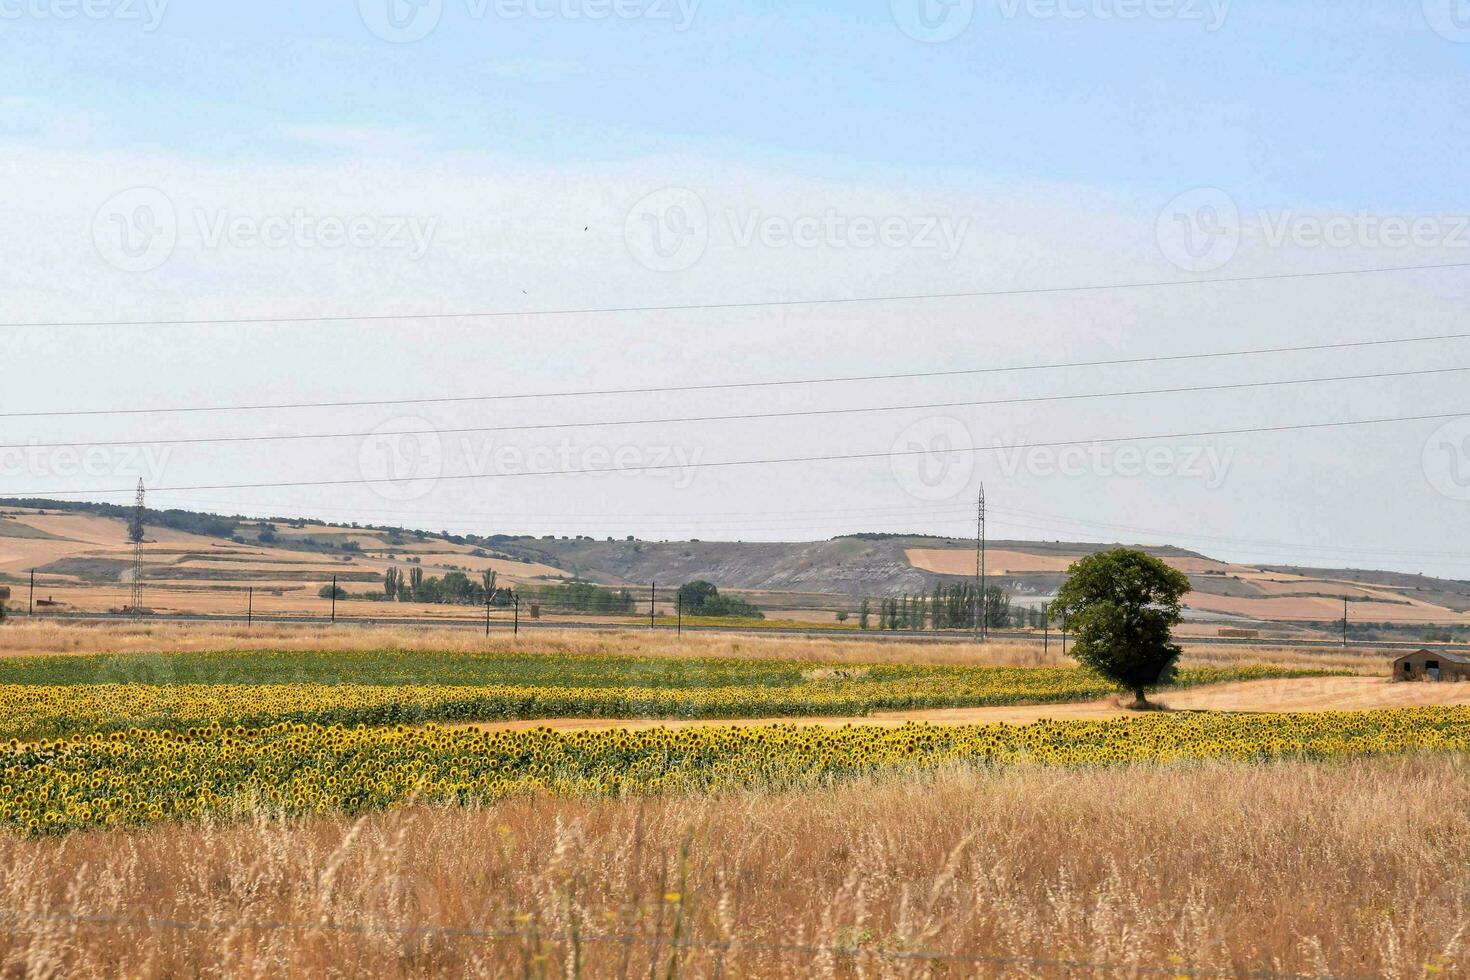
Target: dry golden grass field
[[1290, 869], [83, 564], [24, 637]]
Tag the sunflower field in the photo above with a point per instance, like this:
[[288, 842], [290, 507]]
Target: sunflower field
[[29, 711], [133, 739], [142, 776]]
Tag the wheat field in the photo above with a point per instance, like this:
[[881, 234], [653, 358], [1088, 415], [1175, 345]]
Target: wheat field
[[1219, 869], [24, 637]]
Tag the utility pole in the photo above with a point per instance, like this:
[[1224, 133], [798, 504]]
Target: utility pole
[[32, 610], [516, 601], [679, 607], [250, 605], [982, 627], [334, 598], [487, 613], [1344, 622], [1045, 631], [652, 593]]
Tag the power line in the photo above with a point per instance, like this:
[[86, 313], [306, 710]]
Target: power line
[[583, 515], [1239, 542], [779, 460], [748, 416], [726, 386], [744, 305]]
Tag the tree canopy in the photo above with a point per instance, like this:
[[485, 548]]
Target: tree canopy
[[701, 598], [1122, 606]]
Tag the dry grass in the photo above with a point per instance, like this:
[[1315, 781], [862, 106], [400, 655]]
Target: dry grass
[[22, 637], [1362, 660], [1291, 868], [51, 637]]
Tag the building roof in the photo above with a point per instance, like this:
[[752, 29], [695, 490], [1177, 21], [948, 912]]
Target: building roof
[[1454, 658]]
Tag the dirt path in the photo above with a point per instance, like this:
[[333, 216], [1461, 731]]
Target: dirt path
[[1301, 694]]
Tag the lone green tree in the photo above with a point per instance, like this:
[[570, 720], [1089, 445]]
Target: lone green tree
[[696, 595], [1122, 606]]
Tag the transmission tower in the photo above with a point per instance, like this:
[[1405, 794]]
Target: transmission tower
[[982, 627], [137, 523]]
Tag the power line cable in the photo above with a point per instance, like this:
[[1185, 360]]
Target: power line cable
[[771, 461], [744, 417], [741, 305], [1243, 542], [726, 386]]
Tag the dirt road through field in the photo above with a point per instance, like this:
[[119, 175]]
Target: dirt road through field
[[1301, 694]]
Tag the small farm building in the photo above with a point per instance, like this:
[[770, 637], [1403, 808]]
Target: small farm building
[[1431, 665]]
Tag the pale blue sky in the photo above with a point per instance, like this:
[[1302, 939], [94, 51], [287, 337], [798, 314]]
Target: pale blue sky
[[1345, 104], [1052, 147]]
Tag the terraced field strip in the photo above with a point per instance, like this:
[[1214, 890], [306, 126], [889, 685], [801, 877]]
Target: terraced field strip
[[175, 696]]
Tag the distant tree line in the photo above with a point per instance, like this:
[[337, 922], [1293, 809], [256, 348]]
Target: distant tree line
[[209, 525], [455, 588], [947, 608], [888, 536], [584, 597], [701, 598]]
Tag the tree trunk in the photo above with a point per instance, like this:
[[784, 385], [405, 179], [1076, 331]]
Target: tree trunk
[[1140, 701]]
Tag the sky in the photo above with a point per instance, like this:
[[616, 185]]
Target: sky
[[505, 203]]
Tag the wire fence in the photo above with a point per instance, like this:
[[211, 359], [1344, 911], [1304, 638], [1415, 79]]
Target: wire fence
[[361, 600], [338, 599]]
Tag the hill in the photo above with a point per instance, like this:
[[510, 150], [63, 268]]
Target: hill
[[208, 563]]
